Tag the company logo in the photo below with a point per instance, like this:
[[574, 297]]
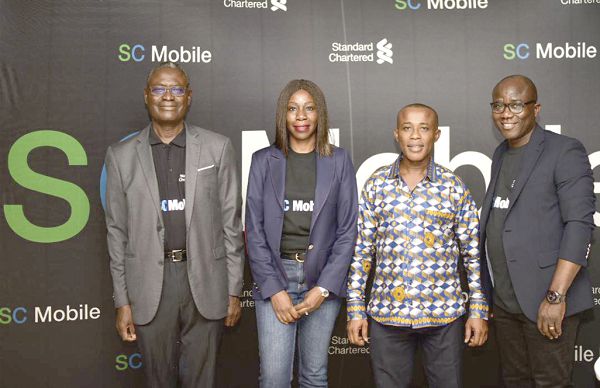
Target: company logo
[[500, 203], [124, 361], [568, 50], [298, 205], [341, 345], [384, 52], [362, 52], [580, 2], [138, 53], [276, 5], [171, 205], [20, 315], [441, 4]]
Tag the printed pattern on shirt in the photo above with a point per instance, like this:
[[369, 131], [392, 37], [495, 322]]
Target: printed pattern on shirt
[[415, 241]]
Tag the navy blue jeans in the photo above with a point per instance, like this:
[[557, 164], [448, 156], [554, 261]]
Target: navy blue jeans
[[277, 342]]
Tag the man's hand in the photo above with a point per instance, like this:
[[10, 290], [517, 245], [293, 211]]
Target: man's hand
[[312, 301], [125, 326], [358, 331], [234, 311], [476, 332], [550, 317], [284, 310]]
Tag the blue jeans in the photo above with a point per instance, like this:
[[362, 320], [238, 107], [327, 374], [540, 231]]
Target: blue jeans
[[277, 342]]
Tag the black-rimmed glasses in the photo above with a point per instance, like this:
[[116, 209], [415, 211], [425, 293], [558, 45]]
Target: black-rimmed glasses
[[514, 107]]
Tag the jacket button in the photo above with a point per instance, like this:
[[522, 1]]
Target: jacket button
[[508, 230], [310, 247]]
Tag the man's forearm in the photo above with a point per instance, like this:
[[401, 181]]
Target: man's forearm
[[563, 276]]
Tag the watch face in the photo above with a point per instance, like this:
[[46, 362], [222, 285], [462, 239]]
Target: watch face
[[553, 297]]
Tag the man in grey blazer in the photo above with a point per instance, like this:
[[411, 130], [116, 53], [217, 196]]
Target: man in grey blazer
[[174, 237], [536, 228]]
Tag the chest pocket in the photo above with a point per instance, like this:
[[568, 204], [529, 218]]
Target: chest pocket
[[437, 229]]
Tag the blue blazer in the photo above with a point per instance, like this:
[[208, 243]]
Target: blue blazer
[[550, 216], [332, 230]]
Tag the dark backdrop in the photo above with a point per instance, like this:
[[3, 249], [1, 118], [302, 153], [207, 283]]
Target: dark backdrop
[[72, 74]]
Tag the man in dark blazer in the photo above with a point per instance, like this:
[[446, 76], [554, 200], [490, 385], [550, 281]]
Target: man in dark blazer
[[536, 227], [174, 237]]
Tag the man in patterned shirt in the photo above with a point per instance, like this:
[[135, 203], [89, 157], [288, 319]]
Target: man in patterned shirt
[[416, 220]]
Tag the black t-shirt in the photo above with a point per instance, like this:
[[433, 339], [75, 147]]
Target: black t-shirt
[[300, 183], [504, 294], [169, 163]]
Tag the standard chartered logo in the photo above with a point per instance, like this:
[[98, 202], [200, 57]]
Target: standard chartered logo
[[384, 52], [362, 52], [276, 5], [549, 50]]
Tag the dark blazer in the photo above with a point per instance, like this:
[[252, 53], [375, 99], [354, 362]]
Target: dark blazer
[[333, 226], [550, 216], [136, 229]]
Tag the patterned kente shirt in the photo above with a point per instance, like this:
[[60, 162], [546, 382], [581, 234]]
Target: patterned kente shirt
[[415, 241]]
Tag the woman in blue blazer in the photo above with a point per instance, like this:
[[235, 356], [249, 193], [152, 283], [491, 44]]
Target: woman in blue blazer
[[301, 212]]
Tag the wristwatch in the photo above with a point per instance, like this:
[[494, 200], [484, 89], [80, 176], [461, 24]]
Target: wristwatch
[[324, 292], [554, 297]]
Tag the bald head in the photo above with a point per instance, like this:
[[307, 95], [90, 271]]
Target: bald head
[[525, 85], [418, 106]]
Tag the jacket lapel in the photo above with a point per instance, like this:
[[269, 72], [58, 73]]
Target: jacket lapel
[[489, 195], [193, 145], [144, 153], [325, 176], [277, 165], [532, 153]]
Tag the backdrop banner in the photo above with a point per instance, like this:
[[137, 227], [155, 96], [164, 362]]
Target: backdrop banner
[[72, 74]]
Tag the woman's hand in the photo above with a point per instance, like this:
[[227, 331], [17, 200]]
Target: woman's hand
[[283, 307]]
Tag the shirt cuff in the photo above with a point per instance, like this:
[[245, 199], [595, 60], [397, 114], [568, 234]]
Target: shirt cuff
[[478, 308], [356, 310]]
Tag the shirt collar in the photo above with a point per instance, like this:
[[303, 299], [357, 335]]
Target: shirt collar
[[179, 140], [431, 169]]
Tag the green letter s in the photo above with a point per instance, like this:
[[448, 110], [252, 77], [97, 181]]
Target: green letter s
[[125, 52], [400, 4], [509, 51], [24, 176]]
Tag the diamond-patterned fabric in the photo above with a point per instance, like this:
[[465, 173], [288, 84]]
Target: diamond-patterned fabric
[[415, 240]]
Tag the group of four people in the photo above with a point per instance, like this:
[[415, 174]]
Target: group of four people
[[175, 242]]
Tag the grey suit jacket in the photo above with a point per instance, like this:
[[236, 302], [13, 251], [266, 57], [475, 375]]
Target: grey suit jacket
[[550, 216], [136, 230]]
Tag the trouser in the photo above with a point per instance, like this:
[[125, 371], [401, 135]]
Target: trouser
[[312, 333], [527, 358], [179, 346], [393, 351]]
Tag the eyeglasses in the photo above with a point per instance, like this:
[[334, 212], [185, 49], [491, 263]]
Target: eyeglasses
[[514, 107], [176, 91]]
